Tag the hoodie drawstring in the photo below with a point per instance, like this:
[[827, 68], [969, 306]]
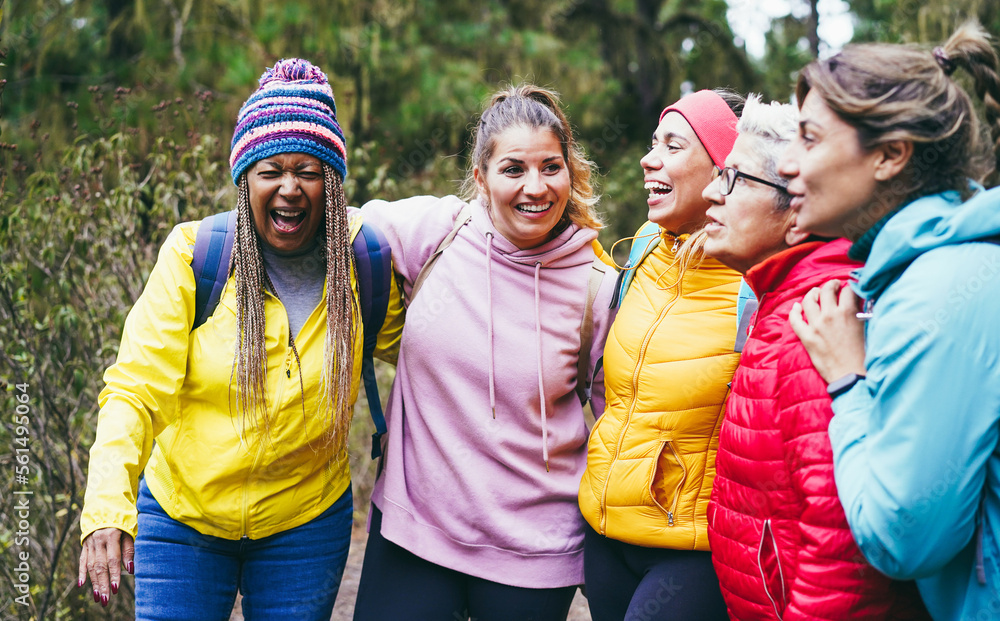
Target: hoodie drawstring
[[538, 344], [541, 385], [489, 319]]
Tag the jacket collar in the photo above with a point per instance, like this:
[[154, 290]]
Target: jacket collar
[[799, 265], [768, 275]]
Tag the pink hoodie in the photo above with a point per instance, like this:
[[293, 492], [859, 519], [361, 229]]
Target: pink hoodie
[[460, 487]]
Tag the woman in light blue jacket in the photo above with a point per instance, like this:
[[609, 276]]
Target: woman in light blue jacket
[[889, 155]]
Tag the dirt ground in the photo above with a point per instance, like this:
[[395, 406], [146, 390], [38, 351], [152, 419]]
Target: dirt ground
[[344, 609]]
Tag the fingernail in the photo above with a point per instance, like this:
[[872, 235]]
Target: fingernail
[[97, 597], [104, 599], [79, 583], [114, 588], [130, 568]]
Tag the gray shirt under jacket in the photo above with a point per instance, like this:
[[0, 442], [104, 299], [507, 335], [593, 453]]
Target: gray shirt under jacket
[[298, 277]]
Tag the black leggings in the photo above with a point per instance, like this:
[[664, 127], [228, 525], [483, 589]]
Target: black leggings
[[396, 584], [634, 583]]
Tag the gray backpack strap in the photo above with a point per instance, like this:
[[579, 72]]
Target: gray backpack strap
[[583, 378], [463, 218]]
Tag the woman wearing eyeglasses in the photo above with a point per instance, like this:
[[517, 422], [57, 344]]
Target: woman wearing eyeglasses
[[668, 359], [780, 541]]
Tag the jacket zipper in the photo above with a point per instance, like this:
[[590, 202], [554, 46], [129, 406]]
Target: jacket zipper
[[631, 409], [766, 528], [680, 484], [245, 514], [261, 444]]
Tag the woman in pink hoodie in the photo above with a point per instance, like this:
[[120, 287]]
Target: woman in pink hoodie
[[474, 512]]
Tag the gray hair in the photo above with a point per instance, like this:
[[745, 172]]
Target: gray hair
[[774, 125]]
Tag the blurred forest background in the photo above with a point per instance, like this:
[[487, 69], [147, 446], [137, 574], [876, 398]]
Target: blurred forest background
[[115, 123]]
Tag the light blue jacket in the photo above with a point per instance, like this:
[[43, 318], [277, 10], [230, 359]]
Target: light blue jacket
[[915, 445]]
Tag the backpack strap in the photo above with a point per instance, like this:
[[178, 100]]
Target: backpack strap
[[213, 248], [464, 217], [373, 267], [584, 380], [746, 306], [644, 242]]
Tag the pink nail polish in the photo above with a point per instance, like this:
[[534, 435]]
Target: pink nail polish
[[79, 583], [114, 588], [97, 597], [130, 567], [104, 599]]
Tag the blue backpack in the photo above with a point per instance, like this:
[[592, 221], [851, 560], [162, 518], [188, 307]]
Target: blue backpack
[[645, 241], [372, 259]]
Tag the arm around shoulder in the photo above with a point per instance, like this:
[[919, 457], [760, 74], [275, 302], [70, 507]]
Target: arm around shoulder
[[414, 227]]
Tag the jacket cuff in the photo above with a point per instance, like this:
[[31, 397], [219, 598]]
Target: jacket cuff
[[851, 412]]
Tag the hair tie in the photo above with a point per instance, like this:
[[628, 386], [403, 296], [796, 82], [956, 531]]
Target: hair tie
[[947, 65]]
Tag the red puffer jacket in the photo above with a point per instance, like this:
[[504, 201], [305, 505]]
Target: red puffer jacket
[[780, 542]]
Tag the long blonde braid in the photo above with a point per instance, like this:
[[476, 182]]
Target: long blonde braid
[[250, 364], [341, 312]]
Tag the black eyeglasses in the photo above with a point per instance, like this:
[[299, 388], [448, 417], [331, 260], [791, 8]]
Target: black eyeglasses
[[727, 180]]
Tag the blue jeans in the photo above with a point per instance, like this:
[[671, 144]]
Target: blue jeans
[[181, 574]]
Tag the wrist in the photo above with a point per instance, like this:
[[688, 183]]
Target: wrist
[[843, 383]]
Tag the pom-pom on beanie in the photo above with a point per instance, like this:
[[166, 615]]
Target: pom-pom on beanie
[[291, 112], [712, 120]]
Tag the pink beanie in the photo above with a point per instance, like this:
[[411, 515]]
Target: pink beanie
[[711, 119]]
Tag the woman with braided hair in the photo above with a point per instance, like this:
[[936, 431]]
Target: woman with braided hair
[[889, 155], [247, 486]]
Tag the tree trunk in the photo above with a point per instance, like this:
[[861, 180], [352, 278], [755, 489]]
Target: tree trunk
[[814, 27]]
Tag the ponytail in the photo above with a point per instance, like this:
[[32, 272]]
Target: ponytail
[[970, 48]]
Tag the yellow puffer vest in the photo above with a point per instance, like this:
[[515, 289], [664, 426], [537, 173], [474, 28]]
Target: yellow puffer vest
[[667, 364]]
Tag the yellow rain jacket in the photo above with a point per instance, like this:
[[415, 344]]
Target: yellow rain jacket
[[208, 468], [667, 365]]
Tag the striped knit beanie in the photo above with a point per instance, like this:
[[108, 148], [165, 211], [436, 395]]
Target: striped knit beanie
[[292, 112]]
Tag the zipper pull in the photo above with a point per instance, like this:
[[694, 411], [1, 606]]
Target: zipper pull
[[866, 310], [677, 242], [670, 518]]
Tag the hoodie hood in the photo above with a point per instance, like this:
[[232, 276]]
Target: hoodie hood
[[925, 224]]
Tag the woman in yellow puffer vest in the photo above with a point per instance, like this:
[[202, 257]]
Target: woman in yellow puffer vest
[[668, 362]]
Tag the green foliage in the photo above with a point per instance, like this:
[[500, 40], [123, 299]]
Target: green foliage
[[923, 21], [116, 118], [80, 227]]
